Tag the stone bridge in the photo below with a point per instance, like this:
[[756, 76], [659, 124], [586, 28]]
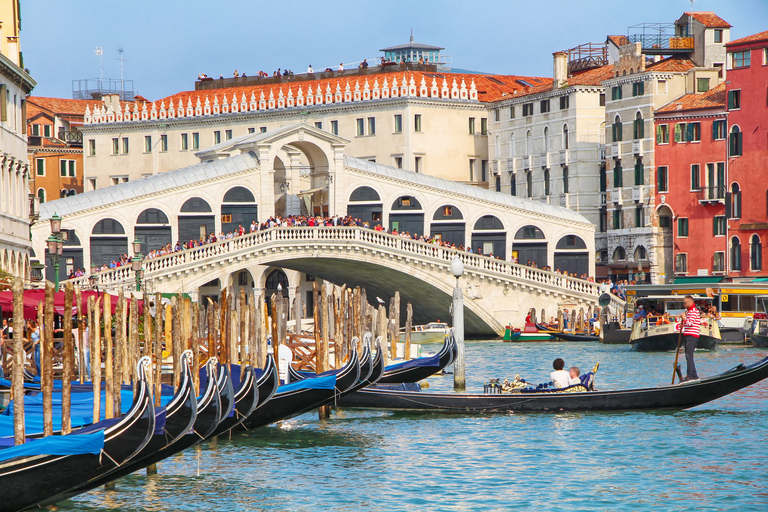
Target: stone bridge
[[496, 292]]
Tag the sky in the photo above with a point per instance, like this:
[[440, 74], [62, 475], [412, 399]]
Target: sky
[[167, 43]]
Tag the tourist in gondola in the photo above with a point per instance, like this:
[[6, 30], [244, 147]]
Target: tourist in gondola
[[560, 377]]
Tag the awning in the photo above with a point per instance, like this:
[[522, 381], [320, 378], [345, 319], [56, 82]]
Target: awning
[[310, 191], [698, 280]]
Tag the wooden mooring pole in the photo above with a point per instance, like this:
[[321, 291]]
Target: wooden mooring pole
[[17, 372]]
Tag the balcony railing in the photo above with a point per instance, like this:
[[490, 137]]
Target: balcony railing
[[72, 137], [714, 194], [659, 39]]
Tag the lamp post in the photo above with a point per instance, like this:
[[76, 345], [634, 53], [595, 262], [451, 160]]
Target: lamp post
[[459, 380], [55, 245], [137, 263]]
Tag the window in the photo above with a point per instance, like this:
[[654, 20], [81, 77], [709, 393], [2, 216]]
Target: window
[[735, 254], [566, 184], [360, 126], [640, 217], [36, 130], [46, 130], [334, 127], [734, 99], [41, 195], [40, 167], [755, 253], [682, 227], [741, 59], [661, 179], [217, 137], [227, 134], [253, 130], [734, 145], [371, 126], [147, 143], [484, 170], [163, 143], [662, 87], [544, 106], [695, 177], [639, 172], [498, 183], [471, 125], [638, 88], [447, 211], [184, 141], [125, 145], [681, 263], [618, 174], [263, 129], [511, 111], [546, 182], [662, 134], [681, 132], [399, 123], [694, 132], [638, 128], [601, 101], [733, 202], [115, 146], [226, 217], [91, 147], [399, 162], [496, 115], [527, 109], [529, 184], [546, 139], [564, 102], [718, 225], [471, 169], [616, 93], [195, 141], [483, 126], [318, 125], [566, 138], [718, 35], [618, 219], [718, 129], [702, 84], [417, 164], [616, 128], [513, 184], [67, 168], [719, 262]]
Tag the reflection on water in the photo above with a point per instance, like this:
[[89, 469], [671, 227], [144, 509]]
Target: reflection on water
[[709, 458]]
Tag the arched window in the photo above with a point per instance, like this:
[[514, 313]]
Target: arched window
[[276, 280], [512, 146], [529, 179], [734, 141], [638, 131], [616, 129], [755, 253], [566, 185], [546, 182], [108, 227], [566, 137], [619, 254], [364, 194], [195, 204], [72, 192], [489, 223], [497, 147], [571, 242], [239, 195], [152, 216], [735, 254], [546, 139], [63, 193], [528, 142], [529, 233], [640, 253], [41, 195], [734, 202]]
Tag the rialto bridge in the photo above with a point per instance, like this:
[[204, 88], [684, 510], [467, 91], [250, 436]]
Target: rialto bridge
[[298, 170]]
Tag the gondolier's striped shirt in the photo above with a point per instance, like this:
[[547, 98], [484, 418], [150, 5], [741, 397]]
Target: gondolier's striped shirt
[[692, 322]]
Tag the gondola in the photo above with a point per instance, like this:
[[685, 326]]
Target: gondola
[[421, 368], [614, 334], [305, 395], [569, 336], [246, 400], [674, 397], [295, 375], [36, 479], [180, 414]]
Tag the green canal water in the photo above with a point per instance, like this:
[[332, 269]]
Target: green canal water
[[708, 458]]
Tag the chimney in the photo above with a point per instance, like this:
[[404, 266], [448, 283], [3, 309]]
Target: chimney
[[112, 100], [560, 74]]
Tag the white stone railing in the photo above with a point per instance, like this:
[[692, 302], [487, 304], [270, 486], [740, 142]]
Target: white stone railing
[[356, 235]]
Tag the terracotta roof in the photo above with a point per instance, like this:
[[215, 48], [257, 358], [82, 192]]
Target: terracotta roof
[[489, 87], [619, 40], [714, 98], [754, 38], [60, 106], [592, 76], [709, 19], [673, 64]]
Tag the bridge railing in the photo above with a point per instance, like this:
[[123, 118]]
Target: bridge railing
[[154, 266]]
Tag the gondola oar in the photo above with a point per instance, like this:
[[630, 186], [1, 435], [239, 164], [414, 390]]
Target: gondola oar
[[677, 352]]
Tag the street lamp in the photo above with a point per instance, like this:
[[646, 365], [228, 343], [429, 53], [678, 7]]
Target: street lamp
[[55, 245], [36, 271], [459, 379], [137, 263]]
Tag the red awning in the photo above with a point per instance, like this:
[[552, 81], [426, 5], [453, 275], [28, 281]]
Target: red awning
[[34, 297]]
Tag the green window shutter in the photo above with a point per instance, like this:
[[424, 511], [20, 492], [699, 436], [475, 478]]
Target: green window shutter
[[730, 99], [689, 132], [642, 88], [23, 116], [714, 130], [63, 165], [3, 102], [619, 130], [677, 132], [658, 135], [641, 129], [738, 143]]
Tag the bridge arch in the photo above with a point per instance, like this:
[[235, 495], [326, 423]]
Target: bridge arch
[[407, 215], [489, 237], [571, 255], [238, 208], [365, 204], [153, 229], [108, 241], [302, 178], [448, 223], [530, 245], [196, 219]]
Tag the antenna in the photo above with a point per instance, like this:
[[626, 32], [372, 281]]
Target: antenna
[[690, 20], [122, 60], [99, 53]]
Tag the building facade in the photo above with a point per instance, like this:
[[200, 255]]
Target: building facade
[[15, 85], [747, 193]]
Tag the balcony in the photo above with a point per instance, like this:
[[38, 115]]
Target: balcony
[[73, 138], [495, 167], [511, 167], [616, 196], [638, 194], [711, 195], [564, 154], [563, 201], [601, 152], [526, 162], [659, 39], [544, 160], [637, 147]]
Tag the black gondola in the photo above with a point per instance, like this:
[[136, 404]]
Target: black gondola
[[675, 397], [246, 400], [422, 367], [180, 415], [568, 336], [366, 365], [42, 479], [668, 343], [296, 399]]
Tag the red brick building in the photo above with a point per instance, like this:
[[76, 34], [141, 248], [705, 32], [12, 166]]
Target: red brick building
[[691, 143], [747, 194]]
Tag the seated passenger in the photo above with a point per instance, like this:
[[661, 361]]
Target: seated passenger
[[560, 377], [575, 373]]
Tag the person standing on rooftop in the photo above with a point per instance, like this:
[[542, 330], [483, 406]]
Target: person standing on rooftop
[[310, 70], [341, 66]]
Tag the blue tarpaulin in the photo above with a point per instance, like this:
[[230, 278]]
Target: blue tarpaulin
[[74, 444], [327, 382]]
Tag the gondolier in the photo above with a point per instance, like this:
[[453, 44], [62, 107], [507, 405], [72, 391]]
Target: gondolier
[[691, 329]]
